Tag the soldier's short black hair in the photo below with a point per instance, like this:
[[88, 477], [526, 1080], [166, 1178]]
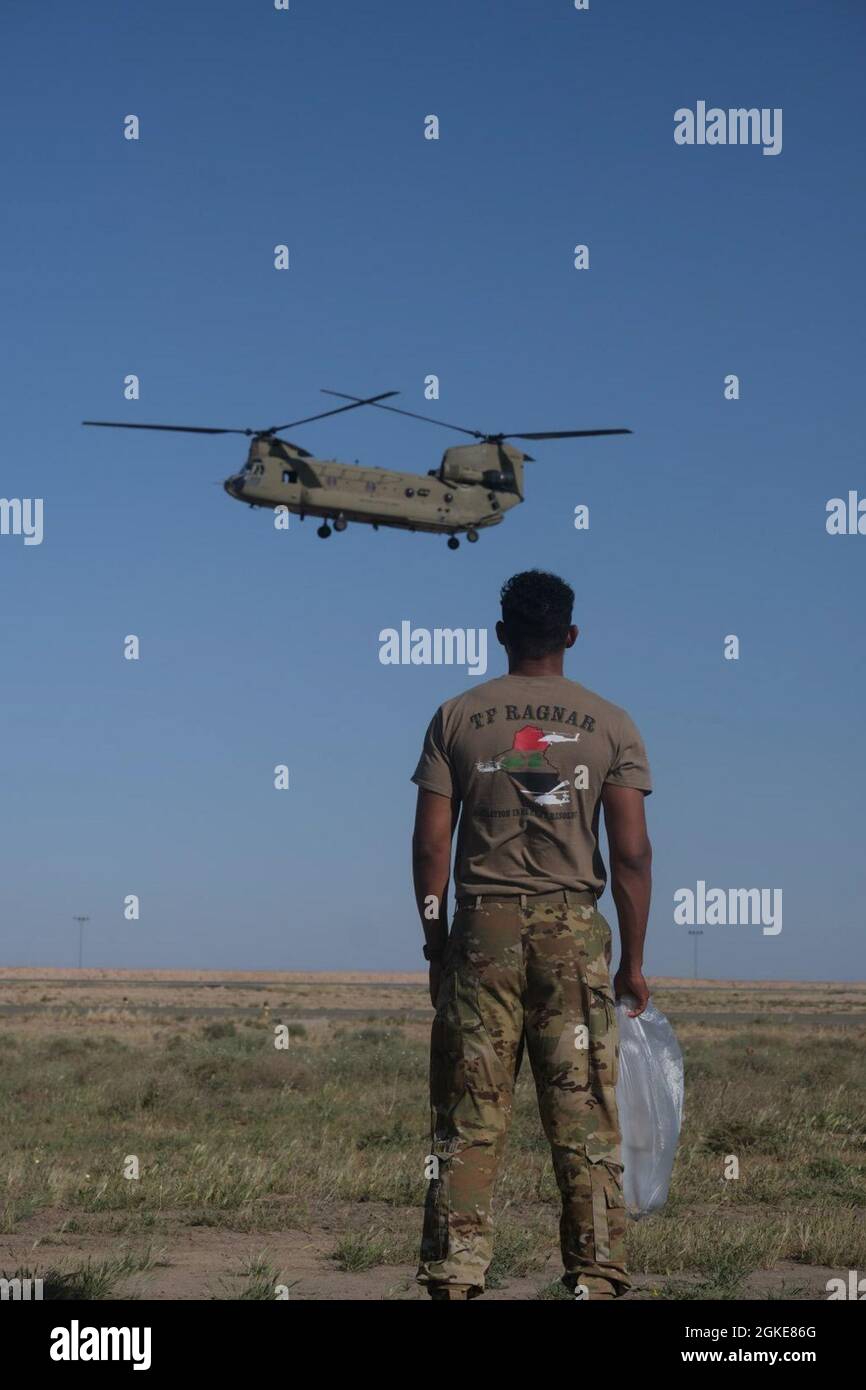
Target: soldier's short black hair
[[536, 612]]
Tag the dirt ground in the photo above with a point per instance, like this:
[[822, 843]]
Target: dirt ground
[[206, 1264]]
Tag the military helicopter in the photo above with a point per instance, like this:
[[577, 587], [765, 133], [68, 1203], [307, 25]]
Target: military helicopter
[[473, 487]]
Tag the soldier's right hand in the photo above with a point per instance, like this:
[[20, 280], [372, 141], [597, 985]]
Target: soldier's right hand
[[435, 980]]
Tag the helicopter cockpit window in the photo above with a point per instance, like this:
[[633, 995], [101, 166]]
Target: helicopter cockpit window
[[289, 475]]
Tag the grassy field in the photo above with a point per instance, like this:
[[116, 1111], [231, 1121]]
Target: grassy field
[[303, 1167]]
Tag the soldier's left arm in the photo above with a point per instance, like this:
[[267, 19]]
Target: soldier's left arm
[[630, 883]]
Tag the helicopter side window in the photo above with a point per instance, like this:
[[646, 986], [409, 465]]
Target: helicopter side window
[[289, 475], [423, 492]]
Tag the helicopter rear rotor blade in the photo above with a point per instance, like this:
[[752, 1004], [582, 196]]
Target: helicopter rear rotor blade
[[562, 434], [475, 434], [395, 410]]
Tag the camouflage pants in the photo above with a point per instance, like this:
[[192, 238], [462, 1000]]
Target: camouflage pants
[[538, 974]]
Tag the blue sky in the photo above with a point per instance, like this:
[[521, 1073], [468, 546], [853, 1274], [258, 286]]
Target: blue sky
[[411, 257]]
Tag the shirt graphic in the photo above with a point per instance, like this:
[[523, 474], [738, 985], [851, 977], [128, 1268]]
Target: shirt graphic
[[527, 822], [526, 763]]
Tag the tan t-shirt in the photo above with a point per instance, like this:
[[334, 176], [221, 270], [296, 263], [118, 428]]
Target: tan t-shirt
[[527, 757]]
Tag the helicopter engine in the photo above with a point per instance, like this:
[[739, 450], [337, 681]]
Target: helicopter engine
[[498, 467]]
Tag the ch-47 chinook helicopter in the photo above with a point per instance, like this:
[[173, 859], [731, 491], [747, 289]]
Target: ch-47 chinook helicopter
[[473, 487]]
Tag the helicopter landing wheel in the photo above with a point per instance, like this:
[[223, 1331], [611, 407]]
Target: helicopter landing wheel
[[340, 524], [453, 542], [472, 535], [324, 531]]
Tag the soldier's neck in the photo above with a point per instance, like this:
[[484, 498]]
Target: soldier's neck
[[550, 665]]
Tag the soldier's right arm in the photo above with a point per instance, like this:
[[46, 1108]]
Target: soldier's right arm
[[435, 819]]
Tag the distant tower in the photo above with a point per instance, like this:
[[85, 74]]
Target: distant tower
[[695, 934], [80, 920]]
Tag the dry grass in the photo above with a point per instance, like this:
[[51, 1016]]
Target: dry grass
[[234, 1135]]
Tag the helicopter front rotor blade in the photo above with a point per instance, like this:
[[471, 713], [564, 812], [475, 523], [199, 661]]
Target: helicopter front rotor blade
[[340, 408], [395, 410], [563, 434], [178, 429]]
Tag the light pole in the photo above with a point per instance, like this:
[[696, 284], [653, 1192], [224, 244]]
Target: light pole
[[80, 920], [695, 933]]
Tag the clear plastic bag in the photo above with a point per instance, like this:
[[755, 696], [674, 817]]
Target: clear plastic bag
[[649, 1097]]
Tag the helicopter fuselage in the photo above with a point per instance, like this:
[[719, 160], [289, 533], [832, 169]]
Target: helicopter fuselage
[[469, 492]]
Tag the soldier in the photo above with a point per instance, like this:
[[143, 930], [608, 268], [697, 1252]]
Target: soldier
[[525, 762]]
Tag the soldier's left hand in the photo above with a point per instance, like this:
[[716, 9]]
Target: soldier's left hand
[[630, 980]]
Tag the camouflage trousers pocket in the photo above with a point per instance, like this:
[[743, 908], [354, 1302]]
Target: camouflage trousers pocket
[[603, 1031], [608, 1214]]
